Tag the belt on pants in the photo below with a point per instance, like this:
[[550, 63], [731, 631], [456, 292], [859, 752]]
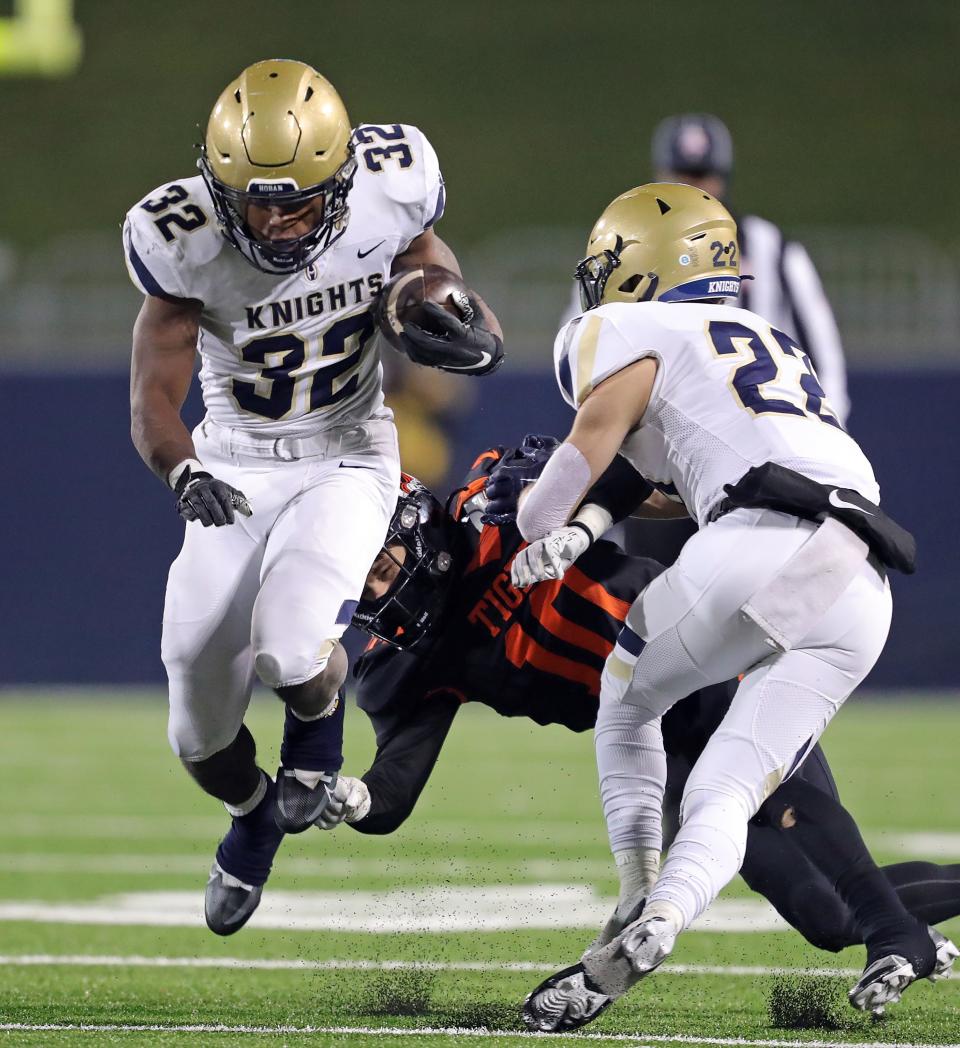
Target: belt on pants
[[337, 441]]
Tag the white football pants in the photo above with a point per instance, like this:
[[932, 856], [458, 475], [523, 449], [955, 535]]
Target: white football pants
[[695, 634], [270, 594]]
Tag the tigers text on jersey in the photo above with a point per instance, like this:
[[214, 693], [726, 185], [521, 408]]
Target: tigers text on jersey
[[291, 354], [731, 392], [534, 653]]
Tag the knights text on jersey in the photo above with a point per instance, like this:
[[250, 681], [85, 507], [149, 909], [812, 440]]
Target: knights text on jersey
[[731, 392], [291, 354]]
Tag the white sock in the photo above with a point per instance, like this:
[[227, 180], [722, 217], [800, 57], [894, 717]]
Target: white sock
[[310, 779], [637, 869], [236, 810], [706, 854]]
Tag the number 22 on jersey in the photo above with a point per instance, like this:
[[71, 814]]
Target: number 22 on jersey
[[772, 374]]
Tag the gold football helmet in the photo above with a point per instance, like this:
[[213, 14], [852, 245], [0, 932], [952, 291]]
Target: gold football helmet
[[663, 242], [279, 136]]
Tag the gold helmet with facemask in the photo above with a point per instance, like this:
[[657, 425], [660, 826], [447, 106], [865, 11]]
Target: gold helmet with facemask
[[662, 242], [279, 135]]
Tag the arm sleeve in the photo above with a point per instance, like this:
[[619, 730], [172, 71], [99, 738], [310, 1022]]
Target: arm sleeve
[[620, 490], [404, 762], [816, 328]]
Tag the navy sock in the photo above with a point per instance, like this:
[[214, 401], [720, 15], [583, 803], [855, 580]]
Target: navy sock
[[248, 850], [315, 745]]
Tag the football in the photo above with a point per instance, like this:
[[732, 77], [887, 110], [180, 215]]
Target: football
[[401, 301]]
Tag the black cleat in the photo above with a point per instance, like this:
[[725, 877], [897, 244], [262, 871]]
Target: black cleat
[[228, 903], [299, 806], [565, 1001]]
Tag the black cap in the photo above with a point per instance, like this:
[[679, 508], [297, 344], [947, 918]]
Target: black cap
[[693, 143]]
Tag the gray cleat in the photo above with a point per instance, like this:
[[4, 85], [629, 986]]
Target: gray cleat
[[563, 1002], [228, 903]]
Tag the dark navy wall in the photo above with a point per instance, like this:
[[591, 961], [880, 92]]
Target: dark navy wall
[[87, 533]]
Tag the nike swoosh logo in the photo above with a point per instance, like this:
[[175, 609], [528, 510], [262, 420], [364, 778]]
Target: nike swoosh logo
[[486, 358], [834, 499], [345, 465], [363, 254]]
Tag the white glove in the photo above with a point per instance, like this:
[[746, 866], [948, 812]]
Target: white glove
[[549, 557], [349, 802]]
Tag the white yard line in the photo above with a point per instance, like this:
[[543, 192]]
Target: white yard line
[[638, 1039], [430, 909], [129, 827], [300, 964]]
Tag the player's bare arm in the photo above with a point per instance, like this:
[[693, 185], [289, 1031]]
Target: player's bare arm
[[459, 332], [430, 249], [164, 347], [660, 507]]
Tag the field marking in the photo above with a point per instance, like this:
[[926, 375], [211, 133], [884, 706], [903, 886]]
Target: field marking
[[301, 964], [468, 908], [922, 844], [638, 1039]]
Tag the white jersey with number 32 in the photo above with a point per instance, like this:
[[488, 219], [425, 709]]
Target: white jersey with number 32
[[730, 393], [290, 355]]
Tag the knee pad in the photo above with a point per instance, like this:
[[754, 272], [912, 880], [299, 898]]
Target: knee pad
[[281, 663]]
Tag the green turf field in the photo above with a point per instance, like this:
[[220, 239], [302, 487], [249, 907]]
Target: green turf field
[[428, 938]]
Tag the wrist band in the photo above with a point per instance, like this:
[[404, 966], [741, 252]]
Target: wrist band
[[583, 527], [177, 472], [595, 519]]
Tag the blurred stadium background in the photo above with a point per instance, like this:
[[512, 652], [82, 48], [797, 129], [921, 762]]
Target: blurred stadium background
[[541, 112]]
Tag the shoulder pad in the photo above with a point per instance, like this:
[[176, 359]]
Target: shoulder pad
[[592, 347], [399, 161], [167, 234]]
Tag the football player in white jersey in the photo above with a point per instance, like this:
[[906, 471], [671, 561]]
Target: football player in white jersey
[[267, 264], [784, 582]]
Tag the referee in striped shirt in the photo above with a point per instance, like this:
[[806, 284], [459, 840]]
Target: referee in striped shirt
[[696, 148]]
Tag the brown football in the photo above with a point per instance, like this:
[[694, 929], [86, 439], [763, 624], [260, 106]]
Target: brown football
[[401, 301]]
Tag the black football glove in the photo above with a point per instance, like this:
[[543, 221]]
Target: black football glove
[[519, 467], [460, 346], [201, 497]]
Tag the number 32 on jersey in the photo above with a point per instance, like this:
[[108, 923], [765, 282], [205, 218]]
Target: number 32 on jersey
[[287, 363], [772, 374]]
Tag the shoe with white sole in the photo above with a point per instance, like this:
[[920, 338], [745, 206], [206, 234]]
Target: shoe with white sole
[[947, 953], [882, 983], [563, 1002]]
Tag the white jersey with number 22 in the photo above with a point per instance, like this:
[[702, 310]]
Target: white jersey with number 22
[[731, 392]]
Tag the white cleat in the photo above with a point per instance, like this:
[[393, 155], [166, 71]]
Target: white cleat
[[882, 983], [947, 953], [648, 943], [565, 1001]]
